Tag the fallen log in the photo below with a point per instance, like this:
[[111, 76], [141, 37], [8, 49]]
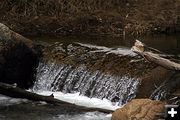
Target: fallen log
[[139, 48], [15, 92]]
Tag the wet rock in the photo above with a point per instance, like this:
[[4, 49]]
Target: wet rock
[[152, 80], [107, 60], [168, 90], [121, 65], [18, 58], [139, 109]]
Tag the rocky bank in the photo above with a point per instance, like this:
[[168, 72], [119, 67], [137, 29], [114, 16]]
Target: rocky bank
[[18, 58]]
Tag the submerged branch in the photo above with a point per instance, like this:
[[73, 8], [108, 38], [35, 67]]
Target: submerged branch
[[15, 92]]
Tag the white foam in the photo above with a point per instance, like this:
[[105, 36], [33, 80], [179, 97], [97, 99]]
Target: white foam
[[82, 100], [86, 116], [5, 101]]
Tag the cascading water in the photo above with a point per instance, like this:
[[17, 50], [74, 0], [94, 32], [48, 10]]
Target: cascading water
[[85, 75], [53, 76], [88, 73]]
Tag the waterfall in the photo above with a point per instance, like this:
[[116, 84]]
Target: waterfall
[[52, 76]]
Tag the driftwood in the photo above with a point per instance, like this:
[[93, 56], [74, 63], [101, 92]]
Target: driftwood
[[139, 48], [15, 92]]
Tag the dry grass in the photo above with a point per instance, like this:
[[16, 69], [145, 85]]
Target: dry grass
[[135, 16], [56, 7]]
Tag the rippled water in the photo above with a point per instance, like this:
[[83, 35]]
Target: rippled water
[[20, 109], [86, 116], [165, 43]]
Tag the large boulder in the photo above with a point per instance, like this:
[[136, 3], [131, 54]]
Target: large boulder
[[139, 109], [18, 58]]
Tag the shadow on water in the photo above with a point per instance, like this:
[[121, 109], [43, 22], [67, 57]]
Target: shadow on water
[[37, 111], [33, 111], [166, 43], [94, 40]]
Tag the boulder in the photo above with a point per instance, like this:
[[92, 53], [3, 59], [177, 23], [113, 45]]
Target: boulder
[[139, 109], [18, 58]]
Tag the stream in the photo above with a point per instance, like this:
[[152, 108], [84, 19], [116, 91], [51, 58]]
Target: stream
[[79, 85]]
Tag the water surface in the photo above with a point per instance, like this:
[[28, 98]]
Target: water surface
[[18, 109], [166, 43]]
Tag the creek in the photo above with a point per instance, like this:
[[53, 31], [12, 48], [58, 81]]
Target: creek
[[77, 83]]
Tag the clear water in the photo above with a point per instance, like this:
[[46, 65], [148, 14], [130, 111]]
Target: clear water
[[18, 109], [166, 43]]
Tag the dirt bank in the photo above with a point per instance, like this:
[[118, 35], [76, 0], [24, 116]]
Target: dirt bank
[[59, 17]]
